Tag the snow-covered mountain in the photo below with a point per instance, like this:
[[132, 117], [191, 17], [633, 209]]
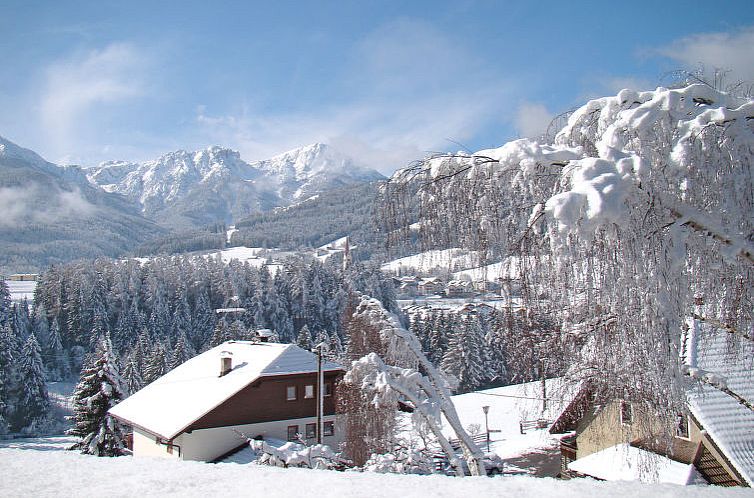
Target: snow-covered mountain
[[306, 171], [215, 184]]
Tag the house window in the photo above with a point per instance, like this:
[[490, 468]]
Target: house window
[[626, 412], [311, 431], [329, 428], [292, 432], [682, 426], [327, 389], [290, 393], [309, 391]]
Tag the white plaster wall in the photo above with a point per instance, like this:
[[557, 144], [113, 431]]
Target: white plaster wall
[[208, 444], [145, 446]]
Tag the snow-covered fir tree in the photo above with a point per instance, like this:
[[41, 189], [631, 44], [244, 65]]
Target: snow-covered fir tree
[[131, 376], [466, 358], [99, 388], [304, 338], [31, 411]]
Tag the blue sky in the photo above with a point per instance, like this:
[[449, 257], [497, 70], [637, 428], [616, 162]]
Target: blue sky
[[83, 82]]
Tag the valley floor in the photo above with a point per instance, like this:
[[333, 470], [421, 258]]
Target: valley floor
[[42, 467]]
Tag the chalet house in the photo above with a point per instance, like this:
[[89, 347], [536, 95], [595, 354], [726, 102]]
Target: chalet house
[[459, 288], [714, 437], [431, 285], [209, 405]]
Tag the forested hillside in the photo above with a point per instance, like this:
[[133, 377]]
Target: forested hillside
[[317, 221]]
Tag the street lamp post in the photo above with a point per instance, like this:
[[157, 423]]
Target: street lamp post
[[486, 410]]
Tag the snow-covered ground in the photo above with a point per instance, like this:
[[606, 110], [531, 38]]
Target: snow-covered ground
[[509, 405], [42, 467], [20, 290]]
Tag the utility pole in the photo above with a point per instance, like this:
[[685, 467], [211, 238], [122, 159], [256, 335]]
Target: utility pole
[[544, 386], [486, 410], [320, 397]]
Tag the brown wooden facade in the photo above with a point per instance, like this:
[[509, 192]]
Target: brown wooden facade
[[265, 400]]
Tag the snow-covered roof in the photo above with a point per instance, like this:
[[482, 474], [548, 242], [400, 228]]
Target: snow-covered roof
[[728, 423], [624, 462], [173, 402]]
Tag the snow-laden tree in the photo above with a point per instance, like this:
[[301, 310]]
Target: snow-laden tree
[[467, 357], [304, 338], [99, 388], [131, 376], [7, 374], [428, 394], [31, 411], [642, 207]]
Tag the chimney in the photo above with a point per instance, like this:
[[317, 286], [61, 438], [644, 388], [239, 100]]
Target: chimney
[[226, 362]]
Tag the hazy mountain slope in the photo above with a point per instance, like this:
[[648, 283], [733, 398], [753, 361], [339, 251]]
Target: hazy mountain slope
[[52, 214]]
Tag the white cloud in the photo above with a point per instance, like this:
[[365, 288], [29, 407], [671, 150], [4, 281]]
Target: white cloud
[[21, 205], [410, 89], [532, 119], [733, 51], [77, 89]]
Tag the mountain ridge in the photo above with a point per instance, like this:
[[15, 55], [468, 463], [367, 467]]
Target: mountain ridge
[[215, 184]]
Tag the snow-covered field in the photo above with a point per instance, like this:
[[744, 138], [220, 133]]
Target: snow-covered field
[[42, 467], [507, 407]]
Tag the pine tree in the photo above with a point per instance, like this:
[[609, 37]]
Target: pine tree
[[304, 338], [220, 334], [5, 303], [131, 376], [181, 352], [99, 388], [32, 406], [465, 357], [6, 373], [155, 367]]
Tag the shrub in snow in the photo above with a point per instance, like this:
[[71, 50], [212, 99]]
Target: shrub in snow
[[100, 388], [402, 460], [318, 456]]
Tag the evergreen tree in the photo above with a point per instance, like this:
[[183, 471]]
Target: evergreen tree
[[304, 338], [99, 388], [181, 352], [131, 376], [155, 367], [203, 322], [32, 403], [465, 357], [6, 373], [5, 303], [220, 334]]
